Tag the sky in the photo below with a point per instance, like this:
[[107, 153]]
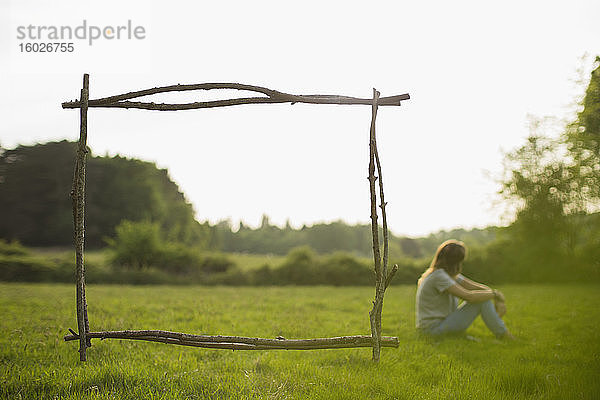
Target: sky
[[476, 73]]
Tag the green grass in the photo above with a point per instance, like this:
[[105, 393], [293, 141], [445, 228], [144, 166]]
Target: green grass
[[557, 355]]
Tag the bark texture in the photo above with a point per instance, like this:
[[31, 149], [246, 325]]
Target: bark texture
[[78, 198]]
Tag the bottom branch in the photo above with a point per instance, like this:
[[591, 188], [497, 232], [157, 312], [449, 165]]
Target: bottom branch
[[240, 342]]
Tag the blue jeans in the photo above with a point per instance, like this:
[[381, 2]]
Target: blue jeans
[[463, 317]]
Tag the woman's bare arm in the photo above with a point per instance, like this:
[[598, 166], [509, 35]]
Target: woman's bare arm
[[472, 285], [472, 296]]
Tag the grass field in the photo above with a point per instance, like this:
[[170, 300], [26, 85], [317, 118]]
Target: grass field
[[557, 355]]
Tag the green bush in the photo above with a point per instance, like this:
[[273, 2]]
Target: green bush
[[300, 267], [171, 263], [28, 268], [262, 276], [177, 258], [25, 268], [136, 245], [303, 267], [139, 246], [12, 248], [341, 269], [216, 263], [234, 276]]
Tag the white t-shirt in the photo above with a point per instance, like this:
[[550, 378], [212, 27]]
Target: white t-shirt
[[434, 302]]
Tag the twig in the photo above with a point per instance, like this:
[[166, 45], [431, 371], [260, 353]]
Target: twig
[[383, 213], [390, 276]]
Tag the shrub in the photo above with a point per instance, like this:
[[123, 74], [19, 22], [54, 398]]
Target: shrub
[[234, 277], [216, 263], [136, 245], [25, 268], [178, 258], [343, 269], [12, 248], [262, 276], [303, 267], [29, 268], [299, 268]]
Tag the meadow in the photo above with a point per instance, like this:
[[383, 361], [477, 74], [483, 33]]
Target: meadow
[[556, 355]]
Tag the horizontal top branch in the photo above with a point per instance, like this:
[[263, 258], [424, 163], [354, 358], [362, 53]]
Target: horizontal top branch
[[272, 96]]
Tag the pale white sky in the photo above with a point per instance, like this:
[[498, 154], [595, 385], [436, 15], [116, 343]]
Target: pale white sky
[[474, 71]]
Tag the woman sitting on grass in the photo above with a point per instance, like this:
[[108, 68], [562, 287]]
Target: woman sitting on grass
[[442, 284]]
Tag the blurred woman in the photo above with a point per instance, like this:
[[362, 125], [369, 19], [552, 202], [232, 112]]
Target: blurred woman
[[439, 289]]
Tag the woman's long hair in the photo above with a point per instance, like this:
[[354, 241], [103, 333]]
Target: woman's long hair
[[449, 256]]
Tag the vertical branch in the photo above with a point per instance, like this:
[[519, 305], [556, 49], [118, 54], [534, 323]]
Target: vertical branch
[[384, 268], [379, 279], [78, 197], [372, 179], [383, 277]]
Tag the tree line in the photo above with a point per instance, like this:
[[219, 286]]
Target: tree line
[[330, 237], [36, 209]]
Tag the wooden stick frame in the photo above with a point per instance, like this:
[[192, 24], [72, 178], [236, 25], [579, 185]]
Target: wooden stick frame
[[383, 276]]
